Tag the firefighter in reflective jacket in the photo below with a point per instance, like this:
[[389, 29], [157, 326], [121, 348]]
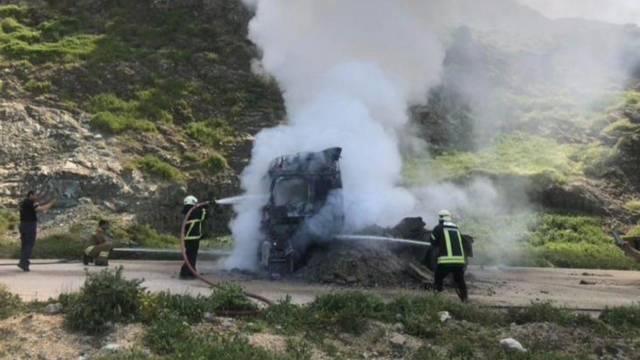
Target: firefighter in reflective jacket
[[193, 234], [99, 249], [447, 241]]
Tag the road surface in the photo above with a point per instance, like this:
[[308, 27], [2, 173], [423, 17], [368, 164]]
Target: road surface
[[590, 289]]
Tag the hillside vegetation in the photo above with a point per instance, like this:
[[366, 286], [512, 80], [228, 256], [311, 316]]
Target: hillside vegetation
[[168, 88]]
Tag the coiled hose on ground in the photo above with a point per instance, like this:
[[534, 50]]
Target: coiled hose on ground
[[207, 281]]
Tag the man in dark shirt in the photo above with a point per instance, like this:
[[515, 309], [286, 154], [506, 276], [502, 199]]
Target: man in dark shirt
[[29, 226]]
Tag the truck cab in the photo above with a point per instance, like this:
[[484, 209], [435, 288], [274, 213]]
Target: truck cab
[[304, 208]]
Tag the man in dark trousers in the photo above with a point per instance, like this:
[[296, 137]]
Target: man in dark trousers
[[448, 243], [193, 234], [29, 226]]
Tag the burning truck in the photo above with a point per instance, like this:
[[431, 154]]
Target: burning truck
[[305, 211], [304, 208]]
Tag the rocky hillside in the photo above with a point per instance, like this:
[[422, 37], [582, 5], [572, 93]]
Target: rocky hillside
[[120, 108]]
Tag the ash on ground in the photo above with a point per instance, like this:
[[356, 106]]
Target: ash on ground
[[373, 264], [364, 265]]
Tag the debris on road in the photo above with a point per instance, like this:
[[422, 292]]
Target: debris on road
[[585, 282]]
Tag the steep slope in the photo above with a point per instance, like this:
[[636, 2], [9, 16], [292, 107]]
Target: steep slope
[[121, 108]]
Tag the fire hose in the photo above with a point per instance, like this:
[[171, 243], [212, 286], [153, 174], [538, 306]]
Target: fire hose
[[207, 281]]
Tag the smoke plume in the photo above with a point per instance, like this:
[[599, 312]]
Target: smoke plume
[[613, 11], [349, 71]]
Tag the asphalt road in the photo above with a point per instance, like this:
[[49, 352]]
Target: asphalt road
[[590, 289]]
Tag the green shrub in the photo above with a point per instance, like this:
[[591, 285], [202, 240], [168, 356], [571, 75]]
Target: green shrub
[[624, 316], [633, 205], [60, 246], [230, 298], [13, 11], [151, 165], [621, 126], [420, 314], [224, 348], [58, 28], [68, 49], [105, 297], [167, 333], [8, 221], [183, 305], [132, 354], [586, 256], [634, 231], [284, 315], [598, 160], [10, 304], [537, 313], [145, 236], [553, 228], [348, 311], [210, 133], [109, 102], [116, 124], [38, 87], [216, 162]]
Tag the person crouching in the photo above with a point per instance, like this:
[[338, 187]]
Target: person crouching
[[99, 250]]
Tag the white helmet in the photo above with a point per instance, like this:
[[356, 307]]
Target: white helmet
[[444, 215], [190, 200]]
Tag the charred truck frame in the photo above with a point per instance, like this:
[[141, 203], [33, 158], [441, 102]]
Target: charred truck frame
[[304, 208]]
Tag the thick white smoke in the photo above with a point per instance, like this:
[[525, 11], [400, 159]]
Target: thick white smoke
[[349, 71], [613, 11]]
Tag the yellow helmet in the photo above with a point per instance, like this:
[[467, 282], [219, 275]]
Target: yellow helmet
[[444, 215]]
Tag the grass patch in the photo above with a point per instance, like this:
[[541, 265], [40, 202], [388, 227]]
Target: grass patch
[[133, 354], [347, 311], [68, 245], [544, 240], [210, 133], [9, 304], [633, 205], [229, 297], [516, 154], [105, 297], [586, 256], [167, 333], [116, 124], [627, 317], [153, 166], [38, 87], [215, 162], [144, 235], [8, 221], [620, 127]]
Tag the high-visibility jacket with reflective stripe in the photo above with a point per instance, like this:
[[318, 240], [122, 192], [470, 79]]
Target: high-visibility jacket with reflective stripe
[[447, 238], [194, 224]]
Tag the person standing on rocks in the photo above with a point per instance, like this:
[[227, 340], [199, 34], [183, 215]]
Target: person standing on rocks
[[193, 234], [447, 241], [29, 226]]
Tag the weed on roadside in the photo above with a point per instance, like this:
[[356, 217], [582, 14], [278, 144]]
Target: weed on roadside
[[105, 297]]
